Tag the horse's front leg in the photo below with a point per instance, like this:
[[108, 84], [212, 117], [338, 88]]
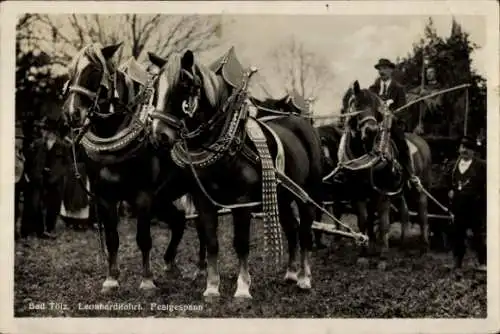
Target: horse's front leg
[[384, 207], [107, 215], [143, 238], [210, 220], [423, 222], [177, 222], [362, 215], [241, 241]]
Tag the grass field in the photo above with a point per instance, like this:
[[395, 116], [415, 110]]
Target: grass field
[[69, 271]]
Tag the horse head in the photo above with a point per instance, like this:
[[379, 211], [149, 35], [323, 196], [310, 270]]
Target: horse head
[[88, 90], [188, 95], [364, 105]]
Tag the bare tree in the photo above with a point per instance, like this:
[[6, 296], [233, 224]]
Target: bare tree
[[61, 36], [301, 69]]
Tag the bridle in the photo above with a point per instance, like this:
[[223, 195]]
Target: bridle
[[180, 126]]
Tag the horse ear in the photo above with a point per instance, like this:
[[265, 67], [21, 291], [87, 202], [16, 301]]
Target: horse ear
[[356, 89], [187, 60], [110, 50], [156, 60]]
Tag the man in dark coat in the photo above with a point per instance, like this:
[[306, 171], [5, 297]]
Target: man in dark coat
[[49, 158], [467, 184], [387, 88]]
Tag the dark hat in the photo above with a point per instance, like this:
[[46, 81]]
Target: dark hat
[[49, 124], [384, 62], [469, 142]]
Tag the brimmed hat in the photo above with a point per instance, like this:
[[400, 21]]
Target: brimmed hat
[[469, 142], [49, 124], [383, 62]]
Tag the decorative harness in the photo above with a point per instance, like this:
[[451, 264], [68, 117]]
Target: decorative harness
[[128, 142], [378, 156], [231, 141]]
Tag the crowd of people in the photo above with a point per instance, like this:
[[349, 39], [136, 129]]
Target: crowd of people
[[46, 183]]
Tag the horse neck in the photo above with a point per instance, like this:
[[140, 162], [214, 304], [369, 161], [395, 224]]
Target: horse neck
[[110, 126], [215, 133]]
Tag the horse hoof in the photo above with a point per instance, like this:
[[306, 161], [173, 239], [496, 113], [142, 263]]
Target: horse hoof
[[211, 296], [382, 265], [147, 285], [304, 283], [291, 276], [171, 268], [363, 262], [242, 295], [110, 285]]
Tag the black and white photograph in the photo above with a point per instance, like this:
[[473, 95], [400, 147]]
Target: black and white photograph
[[247, 160]]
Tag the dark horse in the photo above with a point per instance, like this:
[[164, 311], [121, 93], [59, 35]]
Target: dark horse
[[377, 184], [190, 108], [106, 104]]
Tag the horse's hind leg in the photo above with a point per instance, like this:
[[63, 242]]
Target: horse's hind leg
[[289, 223], [423, 222], [307, 214], [143, 238], [108, 215], [404, 217], [177, 222], [241, 241]]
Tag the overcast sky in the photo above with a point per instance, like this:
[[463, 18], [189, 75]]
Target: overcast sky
[[351, 44]]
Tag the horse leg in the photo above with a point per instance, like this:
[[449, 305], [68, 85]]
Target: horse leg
[[143, 238], [337, 213], [108, 215], [241, 244], [202, 252], [404, 220], [289, 223], [210, 220], [423, 222], [362, 213], [177, 222], [307, 214], [384, 208]]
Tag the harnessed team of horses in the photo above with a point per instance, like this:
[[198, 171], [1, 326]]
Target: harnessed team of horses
[[187, 130]]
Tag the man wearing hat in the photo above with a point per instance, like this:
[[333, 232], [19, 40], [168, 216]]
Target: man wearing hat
[[467, 184], [387, 88], [49, 158]]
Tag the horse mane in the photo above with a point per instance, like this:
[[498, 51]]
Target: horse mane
[[211, 82], [94, 53]]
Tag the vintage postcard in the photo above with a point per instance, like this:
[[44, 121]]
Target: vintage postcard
[[249, 166]]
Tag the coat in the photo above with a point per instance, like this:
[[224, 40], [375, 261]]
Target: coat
[[395, 92], [469, 188], [48, 167]]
